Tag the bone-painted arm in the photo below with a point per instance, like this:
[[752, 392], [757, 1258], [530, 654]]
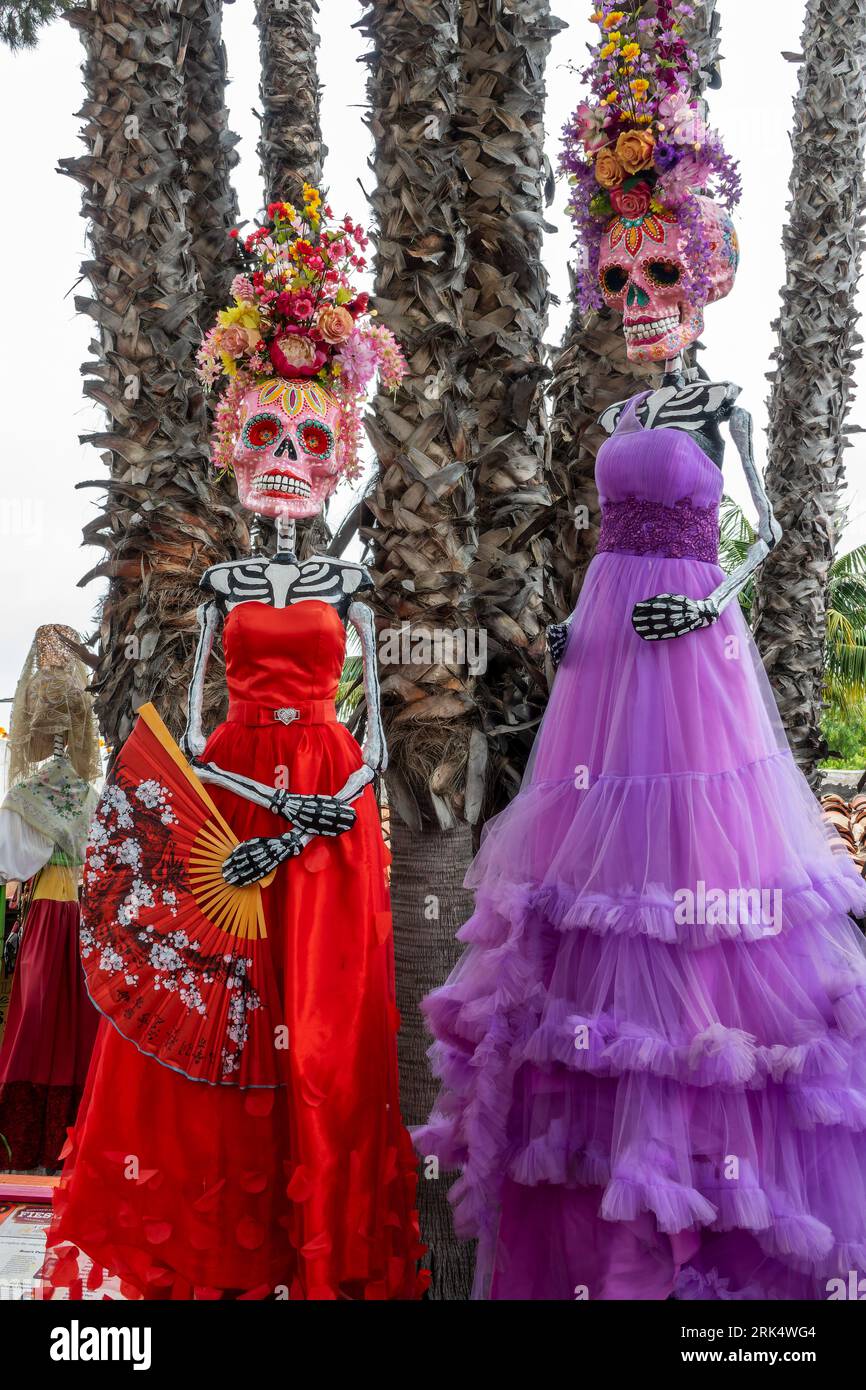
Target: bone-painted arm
[[374, 751], [556, 637], [769, 530], [193, 741], [314, 813], [673, 615]]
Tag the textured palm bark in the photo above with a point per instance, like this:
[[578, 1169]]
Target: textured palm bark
[[209, 151], [291, 153], [815, 358], [422, 504], [430, 904], [504, 46], [420, 522], [290, 147], [163, 521], [590, 372]]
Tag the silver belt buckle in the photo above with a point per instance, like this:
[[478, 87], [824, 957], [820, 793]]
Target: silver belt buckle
[[286, 716]]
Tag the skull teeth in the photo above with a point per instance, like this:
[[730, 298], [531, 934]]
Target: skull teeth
[[282, 483], [639, 332]]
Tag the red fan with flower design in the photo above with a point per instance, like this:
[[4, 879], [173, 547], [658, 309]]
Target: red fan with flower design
[[173, 954]]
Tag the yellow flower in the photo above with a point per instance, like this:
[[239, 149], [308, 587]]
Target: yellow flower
[[614, 18], [608, 50], [247, 315], [596, 18], [631, 51], [609, 99], [640, 86]]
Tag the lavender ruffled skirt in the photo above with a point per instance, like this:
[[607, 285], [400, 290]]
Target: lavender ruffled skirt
[[653, 1051]]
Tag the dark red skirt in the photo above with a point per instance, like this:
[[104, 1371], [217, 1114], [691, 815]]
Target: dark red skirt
[[48, 1040]]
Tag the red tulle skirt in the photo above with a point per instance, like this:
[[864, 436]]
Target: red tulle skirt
[[304, 1191], [48, 1039]]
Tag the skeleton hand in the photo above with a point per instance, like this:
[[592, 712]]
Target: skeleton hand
[[320, 815], [10, 950], [557, 639], [254, 859], [672, 615]]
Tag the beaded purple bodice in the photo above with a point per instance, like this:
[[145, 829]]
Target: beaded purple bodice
[[659, 493], [638, 526]]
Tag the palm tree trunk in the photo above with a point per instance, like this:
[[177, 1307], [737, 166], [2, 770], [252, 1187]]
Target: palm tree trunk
[[209, 152], [423, 531], [430, 904], [813, 382], [163, 521], [504, 49], [291, 152], [591, 372]]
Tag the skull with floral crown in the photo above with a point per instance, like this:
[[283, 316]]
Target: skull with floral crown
[[654, 270], [294, 356], [288, 456]]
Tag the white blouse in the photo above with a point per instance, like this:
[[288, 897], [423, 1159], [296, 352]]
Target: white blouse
[[23, 850]]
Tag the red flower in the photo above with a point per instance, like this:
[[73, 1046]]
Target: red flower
[[632, 203], [359, 306], [294, 354], [234, 233]]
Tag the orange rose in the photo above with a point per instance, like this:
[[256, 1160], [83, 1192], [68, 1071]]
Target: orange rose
[[608, 169], [335, 324], [634, 150]]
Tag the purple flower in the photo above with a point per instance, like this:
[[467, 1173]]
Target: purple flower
[[665, 156]]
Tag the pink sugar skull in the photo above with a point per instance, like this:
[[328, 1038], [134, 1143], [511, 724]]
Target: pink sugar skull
[[288, 456], [643, 273]]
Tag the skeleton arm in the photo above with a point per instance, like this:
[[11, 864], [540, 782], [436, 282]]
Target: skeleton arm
[[255, 858], [674, 615], [556, 637], [313, 813], [193, 741], [374, 751]]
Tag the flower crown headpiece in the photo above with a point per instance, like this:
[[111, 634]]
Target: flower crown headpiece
[[642, 140], [295, 314]]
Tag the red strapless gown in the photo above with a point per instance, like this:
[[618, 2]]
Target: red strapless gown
[[305, 1191]]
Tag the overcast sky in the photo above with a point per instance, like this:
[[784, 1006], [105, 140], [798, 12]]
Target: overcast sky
[[44, 342]]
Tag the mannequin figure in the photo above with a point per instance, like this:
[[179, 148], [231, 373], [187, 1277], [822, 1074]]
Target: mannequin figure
[[653, 1052], [288, 1173], [51, 1025]]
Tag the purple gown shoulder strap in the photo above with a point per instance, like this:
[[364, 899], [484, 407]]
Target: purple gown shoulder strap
[[628, 420]]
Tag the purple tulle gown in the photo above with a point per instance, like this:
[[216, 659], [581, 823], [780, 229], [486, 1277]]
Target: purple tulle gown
[[653, 1051]]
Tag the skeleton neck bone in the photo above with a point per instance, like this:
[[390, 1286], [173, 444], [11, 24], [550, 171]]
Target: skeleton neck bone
[[285, 537]]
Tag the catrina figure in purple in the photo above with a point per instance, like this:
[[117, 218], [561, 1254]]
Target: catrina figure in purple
[[653, 1051]]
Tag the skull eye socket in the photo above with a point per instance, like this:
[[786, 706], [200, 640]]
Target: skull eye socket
[[664, 274], [316, 438], [614, 279], [261, 431]]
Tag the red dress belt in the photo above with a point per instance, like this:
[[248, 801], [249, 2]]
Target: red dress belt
[[303, 712]]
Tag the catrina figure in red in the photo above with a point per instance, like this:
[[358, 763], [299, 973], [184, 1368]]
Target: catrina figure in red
[[240, 1133]]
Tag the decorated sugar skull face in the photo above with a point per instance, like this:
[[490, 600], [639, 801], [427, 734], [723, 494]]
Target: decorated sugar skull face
[[644, 270], [288, 457]]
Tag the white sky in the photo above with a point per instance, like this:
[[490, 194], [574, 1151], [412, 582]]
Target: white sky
[[44, 341]]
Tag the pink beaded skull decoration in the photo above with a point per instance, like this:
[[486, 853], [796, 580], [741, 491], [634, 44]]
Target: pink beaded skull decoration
[[288, 455], [648, 270], [292, 359]]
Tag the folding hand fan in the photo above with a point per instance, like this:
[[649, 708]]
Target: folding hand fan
[[174, 955]]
